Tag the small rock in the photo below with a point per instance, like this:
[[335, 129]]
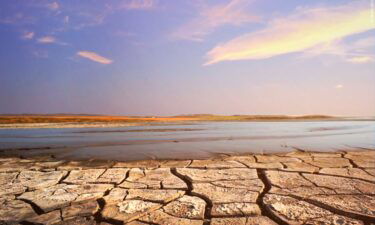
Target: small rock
[[235, 209], [129, 210], [189, 207]]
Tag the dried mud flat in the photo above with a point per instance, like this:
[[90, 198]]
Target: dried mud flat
[[292, 188]]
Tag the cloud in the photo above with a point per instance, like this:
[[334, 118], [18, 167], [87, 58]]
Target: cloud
[[304, 29], [138, 4], [339, 86], [17, 19], [210, 18], [47, 40], [28, 35], [53, 6], [50, 40], [361, 59], [94, 57], [358, 51]]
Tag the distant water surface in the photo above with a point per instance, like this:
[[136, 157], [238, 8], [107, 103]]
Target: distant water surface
[[195, 140]]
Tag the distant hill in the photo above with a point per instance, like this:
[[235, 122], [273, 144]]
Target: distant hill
[[254, 117]]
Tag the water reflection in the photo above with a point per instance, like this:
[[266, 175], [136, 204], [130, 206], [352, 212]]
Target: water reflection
[[197, 140]]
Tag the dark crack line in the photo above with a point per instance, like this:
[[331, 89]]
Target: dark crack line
[[98, 215], [191, 161], [189, 192], [354, 165], [265, 211], [34, 206], [64, 177]]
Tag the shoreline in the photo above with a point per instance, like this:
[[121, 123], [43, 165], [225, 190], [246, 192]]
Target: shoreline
[[282, 188], [62, 125]]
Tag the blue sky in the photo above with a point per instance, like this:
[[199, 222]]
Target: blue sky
[[161, 57]]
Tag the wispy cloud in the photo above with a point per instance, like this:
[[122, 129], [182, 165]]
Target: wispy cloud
[[53, 6], [18, 18], [94, 57], [304, 29], [47, 40], [138, 4], [210, 18], [361, 59], [357, 51], [50, 40], [28, 35]]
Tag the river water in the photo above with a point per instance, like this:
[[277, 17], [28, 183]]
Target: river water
[[192, 141]]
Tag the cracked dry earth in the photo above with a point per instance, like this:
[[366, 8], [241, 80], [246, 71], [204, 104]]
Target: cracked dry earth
[[293, 188]]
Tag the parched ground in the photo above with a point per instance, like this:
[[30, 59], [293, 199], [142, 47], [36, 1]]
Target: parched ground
[[293, 188]]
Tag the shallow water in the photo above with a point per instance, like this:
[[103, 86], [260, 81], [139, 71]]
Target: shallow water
[[197, 140]]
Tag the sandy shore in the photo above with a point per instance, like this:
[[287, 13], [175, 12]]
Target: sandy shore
[[65, 125], [291, 188]]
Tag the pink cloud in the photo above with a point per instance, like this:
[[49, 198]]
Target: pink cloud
[[298, 32], [139, 4], [94, 57], [53, 6], [210, 18], [28, 35], [47, 40]]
